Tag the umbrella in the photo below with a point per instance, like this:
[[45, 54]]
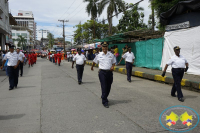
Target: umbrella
[[73, 49]]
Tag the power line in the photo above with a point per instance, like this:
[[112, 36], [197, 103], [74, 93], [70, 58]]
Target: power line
[[76, 8], [76, 13]]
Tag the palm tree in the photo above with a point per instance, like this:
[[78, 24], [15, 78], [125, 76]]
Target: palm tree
[[92, 9], [21, 42], [153, 16], [113, 6]]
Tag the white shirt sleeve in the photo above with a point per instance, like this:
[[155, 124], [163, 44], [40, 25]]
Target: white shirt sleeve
[[113, 60], [84, 58], [96, 60], [133, 56], [124, 56], [5, 57], [170, 61], [74, 58]]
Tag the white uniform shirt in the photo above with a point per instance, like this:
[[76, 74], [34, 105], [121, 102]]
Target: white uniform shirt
[[79, 59], [70, 55], [21, 56], [128, 57], [177, 62], [13, 58], [105, 61]]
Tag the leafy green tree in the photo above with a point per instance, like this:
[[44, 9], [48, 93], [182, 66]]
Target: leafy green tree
[[50, 37], [114, 6], [22, 41], [132, 20]]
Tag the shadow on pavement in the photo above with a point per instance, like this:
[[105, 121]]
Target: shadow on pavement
[[7, 117], [18, 87], [114, 102], [190, 97]]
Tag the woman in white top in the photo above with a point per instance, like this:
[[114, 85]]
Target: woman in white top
[[178, 63]]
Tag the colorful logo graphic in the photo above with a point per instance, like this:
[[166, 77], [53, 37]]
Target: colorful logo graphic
[[179, 119]]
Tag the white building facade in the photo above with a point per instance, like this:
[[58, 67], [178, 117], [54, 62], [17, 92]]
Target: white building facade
[[4, 23], [26, 19], [24, 33], [42, 34]]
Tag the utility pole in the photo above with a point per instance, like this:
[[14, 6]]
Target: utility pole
[[63, 21]]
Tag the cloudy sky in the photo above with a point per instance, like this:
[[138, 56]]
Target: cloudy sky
[[47, 13]]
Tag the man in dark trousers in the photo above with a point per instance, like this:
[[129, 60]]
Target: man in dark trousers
[[106, 61], [13, 63], [21, 58], [80, 63], [129, 59]]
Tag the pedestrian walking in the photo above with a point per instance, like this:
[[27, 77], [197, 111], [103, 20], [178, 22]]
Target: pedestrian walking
[[21, 58], [55, 58], [35, 55], [80, 63], [13, 63], [106, 61], [59, 56], [30, 59], [129, 59], [178, 63]]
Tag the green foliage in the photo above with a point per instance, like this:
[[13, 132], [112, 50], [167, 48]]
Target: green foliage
[[50, 37], [113, 6], [21, 42], [92, 8], [85, 31], [132, 20]]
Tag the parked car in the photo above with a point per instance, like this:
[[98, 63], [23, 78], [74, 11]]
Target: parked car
[[43, 54]]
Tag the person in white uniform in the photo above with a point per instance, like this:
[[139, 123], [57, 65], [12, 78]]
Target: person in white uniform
[[80, 63], [178, 63], [106, 61], [13, 63], [129, 59], [21, 58]]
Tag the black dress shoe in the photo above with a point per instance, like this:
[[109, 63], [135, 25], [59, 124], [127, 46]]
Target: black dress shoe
[[173, 95], [79, 83], [129, 81], [106, 105], [10, 88], [15, 86], [181, 99]]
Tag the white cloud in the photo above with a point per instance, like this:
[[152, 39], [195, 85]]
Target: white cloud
[[47, 13]]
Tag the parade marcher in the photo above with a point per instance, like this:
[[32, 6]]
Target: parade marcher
[[68, 56], [49, 56], [21, 58], [30, 59], [129, 58], [13, 63], [59, 56], [106, 61], [33, 58], [80, 63], [178, 63], [55, 58]]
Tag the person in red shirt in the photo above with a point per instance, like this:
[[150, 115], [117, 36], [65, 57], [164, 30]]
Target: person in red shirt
[[33, 58], [30, 59], [49, 55], [55, 58], [59, 56]]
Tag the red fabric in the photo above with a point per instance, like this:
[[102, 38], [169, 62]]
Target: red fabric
[[33, 58], [59, 56], [30, 59], [55, 58]]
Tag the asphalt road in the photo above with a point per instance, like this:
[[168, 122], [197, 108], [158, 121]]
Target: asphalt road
[[49, 100]]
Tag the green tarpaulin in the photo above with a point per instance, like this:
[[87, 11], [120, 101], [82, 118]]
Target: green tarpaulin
[[147, 53]]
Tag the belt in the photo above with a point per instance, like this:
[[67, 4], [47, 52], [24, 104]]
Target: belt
[[79, 65], [179, 68], [104, 70]]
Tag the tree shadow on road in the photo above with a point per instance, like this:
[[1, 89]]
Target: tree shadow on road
[[7, 117], [190, 97], [114, 102]]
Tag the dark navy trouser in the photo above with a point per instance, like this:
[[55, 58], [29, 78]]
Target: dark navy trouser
[[80, 69], [21, 67], [177, 74], [13, 76], [129, 70], [106, 79]]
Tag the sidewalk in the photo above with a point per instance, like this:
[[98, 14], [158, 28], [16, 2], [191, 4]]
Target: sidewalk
[[190, 81]]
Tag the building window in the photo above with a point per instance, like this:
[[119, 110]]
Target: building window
[[24, 34], [18, 34], [13, 34]]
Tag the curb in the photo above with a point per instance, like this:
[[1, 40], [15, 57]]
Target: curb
[[195, 86]]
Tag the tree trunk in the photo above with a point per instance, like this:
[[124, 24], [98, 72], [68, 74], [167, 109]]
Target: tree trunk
[[110, 26], [153, 20]]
